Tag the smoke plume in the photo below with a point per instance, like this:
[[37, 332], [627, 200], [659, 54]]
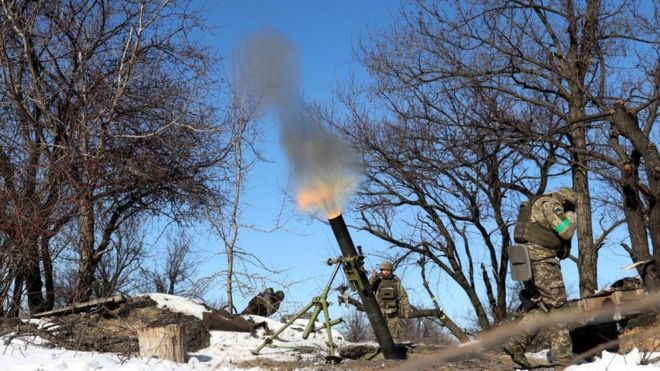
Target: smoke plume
[[326, 168]]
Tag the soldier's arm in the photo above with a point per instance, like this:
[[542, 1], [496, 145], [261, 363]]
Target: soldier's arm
[[562, 222], [372, 282], [403, 299]]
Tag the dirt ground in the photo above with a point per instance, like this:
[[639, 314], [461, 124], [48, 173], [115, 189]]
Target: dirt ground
[[490, 361]]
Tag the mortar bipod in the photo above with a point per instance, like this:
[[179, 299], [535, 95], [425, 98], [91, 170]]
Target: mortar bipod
[[320, 303]]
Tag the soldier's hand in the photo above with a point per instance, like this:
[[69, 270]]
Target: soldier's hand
[[406, 315]]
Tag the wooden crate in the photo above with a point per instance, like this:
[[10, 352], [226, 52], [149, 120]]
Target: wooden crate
[[604, 300]]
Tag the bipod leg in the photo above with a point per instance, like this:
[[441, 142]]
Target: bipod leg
[[331, 357], [269, 340], [319, 302], [312, 319]]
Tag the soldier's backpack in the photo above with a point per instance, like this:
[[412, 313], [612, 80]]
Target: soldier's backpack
[[527, 231]]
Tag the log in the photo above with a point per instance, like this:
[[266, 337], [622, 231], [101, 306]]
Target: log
[[220, 320], [82, 307], [166, 342], [418, 313], [414, 313]]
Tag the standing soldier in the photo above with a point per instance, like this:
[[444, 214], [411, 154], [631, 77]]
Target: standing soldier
[[391, 296], [545, 226]]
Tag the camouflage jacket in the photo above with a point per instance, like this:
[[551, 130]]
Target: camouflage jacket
[[548, 211], [390, 294]]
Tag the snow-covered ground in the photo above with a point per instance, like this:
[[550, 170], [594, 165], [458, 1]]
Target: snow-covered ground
[[225, 350], [610, 361]]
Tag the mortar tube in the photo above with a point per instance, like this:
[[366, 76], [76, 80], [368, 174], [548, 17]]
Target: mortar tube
[[368, 298]]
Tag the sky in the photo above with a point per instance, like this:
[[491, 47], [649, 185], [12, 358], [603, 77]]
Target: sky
[[324, 33]]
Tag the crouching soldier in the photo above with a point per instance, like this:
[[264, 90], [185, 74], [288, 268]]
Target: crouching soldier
[[391, 296], [265, 304]]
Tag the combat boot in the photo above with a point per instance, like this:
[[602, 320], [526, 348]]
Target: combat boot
[[517, 354]]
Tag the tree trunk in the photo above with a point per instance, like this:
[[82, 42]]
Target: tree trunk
[[503, 269], [587, 253], [33, 282], [17, 295], [230, 282], [489, 294], [626, 122], [654, 226], [167, 342], [446, 321], [451, 325], [4, 290], [48, 273], [582, 32], [633, 210], [482, 317], [85, 278], [419, 313]]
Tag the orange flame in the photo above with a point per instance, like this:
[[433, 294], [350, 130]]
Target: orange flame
[[321, 196]]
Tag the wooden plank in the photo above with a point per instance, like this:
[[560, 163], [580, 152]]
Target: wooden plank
[[80, 307], [166, 342], [604, 299]]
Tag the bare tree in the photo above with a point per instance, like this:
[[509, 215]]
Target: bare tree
[[639, 182], [443, 317], [175, 272], [356, 328], [556, 56], [443, 180], [226, 219], [425, 331], [118, 270], [105, 117]]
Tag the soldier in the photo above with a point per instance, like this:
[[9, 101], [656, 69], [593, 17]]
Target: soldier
[[545, 226], [391, 296], [265, 304]]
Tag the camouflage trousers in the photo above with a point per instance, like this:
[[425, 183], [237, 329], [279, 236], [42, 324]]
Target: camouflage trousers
[[394, 325], [551, 296]]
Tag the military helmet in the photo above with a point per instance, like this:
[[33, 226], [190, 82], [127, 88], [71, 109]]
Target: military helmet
[[279, 294], [387, 265], [567, 194]]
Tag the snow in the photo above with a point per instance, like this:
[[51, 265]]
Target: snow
[[613, 361], [179, 304], [226, 349], [609, 361]]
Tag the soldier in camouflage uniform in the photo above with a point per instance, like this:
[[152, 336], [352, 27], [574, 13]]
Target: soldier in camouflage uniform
[[265, 304], [545, 292], [391, 296]]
